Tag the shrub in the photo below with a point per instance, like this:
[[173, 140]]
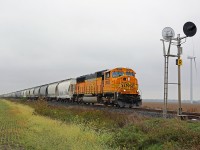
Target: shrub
[[174, 133], [128, 137]]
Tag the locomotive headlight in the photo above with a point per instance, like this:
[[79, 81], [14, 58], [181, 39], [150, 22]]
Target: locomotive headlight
[[124, 90], [128, 78]]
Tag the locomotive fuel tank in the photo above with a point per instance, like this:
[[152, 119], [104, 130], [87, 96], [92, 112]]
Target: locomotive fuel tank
[[90, 98]]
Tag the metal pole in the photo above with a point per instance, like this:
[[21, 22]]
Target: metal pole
[[179, 74], [165, 81], [166, 66], [165, 89]]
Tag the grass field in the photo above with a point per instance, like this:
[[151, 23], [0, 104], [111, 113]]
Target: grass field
[[20, 129], [35, 125], [187, 107]]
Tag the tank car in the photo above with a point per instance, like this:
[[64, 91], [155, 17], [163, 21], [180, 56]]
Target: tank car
[[66, 89], [31, 93], [52, 91], [43, 91], [36, 92]]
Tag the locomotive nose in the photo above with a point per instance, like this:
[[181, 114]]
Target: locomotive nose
[[125, 79]]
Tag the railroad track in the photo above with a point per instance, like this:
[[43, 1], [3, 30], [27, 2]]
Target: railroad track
[[157, 113], [184, 116]]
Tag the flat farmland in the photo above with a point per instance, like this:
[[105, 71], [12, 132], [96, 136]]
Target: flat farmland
[[187, 107]]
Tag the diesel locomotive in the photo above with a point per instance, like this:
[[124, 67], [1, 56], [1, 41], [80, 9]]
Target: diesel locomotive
[[117, 86]]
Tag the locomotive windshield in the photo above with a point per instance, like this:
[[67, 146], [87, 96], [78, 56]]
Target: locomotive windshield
[[117, 74], [130, 74]]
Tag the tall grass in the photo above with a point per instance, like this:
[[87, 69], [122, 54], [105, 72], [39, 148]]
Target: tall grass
[[21, 127], [159, 134], [88, 117]]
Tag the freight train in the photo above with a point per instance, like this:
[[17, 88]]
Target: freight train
[[118, 87]]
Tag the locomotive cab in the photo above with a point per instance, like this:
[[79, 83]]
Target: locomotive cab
[[121, 87]]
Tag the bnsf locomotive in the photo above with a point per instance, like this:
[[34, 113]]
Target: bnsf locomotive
[[117, 86]]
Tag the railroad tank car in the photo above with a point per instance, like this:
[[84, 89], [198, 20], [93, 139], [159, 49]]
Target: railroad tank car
[[43, 91], [28, 93], [23, 92], [8, 95], [66, 89], [17, 94], [36, 92], [117, 86], [31, 95], [52, 91], [3, 96], [13, 94]]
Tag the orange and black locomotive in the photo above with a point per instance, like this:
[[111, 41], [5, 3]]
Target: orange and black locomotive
[[117, 86]]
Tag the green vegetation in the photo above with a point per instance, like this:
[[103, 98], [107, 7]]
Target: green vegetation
[[86, 128], [20, 129], [160, 134]]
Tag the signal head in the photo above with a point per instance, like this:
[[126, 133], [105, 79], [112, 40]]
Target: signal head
[[189, 29], [168, 33]]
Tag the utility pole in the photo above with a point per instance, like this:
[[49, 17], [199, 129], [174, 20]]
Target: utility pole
[[179, 63]]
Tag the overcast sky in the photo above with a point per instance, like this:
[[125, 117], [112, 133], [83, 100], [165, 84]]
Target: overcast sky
[[42, 41]]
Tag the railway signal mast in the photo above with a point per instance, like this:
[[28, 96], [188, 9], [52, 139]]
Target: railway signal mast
[[189, 30]]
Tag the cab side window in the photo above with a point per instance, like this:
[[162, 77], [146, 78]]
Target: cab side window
[[107, 74], [130, 74]]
